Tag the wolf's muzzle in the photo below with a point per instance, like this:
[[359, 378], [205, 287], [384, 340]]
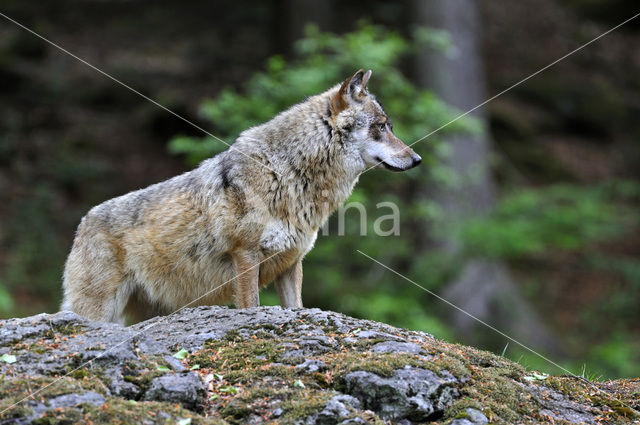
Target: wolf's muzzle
[[416, 160]]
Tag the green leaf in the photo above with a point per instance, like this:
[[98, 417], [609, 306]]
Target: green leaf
[[298, 384], [181, 354], [195, 367], [218, 376], [540, 376], [214, 397], [163, 369], [228, 389], [186, 421], [8, 358]]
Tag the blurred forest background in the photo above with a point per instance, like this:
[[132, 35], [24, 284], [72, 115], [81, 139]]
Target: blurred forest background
[[524, 213]]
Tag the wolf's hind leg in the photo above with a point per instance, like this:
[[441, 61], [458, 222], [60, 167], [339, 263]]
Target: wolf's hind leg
[[94, 283], [289, 286], [98, 300]]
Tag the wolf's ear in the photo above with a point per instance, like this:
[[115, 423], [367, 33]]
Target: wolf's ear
[[353, 88], [358, 83]]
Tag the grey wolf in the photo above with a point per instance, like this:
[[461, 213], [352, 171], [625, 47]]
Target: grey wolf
[[245, 217]]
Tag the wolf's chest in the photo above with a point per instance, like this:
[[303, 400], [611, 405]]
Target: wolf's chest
[[279, 237], [281, 249]]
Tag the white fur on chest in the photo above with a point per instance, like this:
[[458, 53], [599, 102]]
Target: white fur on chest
[[278, 236]]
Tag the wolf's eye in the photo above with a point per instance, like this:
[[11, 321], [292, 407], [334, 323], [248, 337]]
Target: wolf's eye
[[383, 126]]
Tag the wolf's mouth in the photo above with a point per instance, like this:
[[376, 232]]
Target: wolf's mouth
[[388, 166]]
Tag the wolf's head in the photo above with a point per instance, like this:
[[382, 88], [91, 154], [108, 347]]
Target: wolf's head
[[365, 125]]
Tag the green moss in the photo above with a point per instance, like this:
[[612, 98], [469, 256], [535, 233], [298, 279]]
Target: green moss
[[124, 412], [142, 372], [254, 397], [68, 416], [304, 403], [295, 403], [232, 335], [80, 373], [269, 326], [69, 329], [383, 364], [114, 411], [130, 378], [365, 343], [75, 361], [236, 411], [494, 386], [247, 362], [293, 360], [462, 415], [14, 390], [330, 328], [39, 348], [61, 332], [242, 360], [19, 388], [616, 397], [488, 383], [15, 412]]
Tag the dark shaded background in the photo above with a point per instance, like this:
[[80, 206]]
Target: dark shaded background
[[71, 138]]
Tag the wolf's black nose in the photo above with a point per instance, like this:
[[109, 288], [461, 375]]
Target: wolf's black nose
[[416, 160]]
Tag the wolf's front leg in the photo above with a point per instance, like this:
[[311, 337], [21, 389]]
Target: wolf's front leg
[[246, 285], [289, 286]]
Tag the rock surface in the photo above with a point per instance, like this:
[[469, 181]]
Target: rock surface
[[213, 365], [410, 393]]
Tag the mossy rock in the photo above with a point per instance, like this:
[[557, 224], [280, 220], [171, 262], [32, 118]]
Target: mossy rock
[[269, 365]]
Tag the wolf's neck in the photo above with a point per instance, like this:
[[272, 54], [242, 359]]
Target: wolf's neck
[[315, 167], [326, 179]]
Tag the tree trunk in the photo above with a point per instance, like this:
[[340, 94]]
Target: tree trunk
[[483, 287]]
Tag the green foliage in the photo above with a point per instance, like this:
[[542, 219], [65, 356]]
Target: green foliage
[[624, 303], [618, 356], [406, 309], [532, 221], [34, 262], [194, 149], [6, 301]]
